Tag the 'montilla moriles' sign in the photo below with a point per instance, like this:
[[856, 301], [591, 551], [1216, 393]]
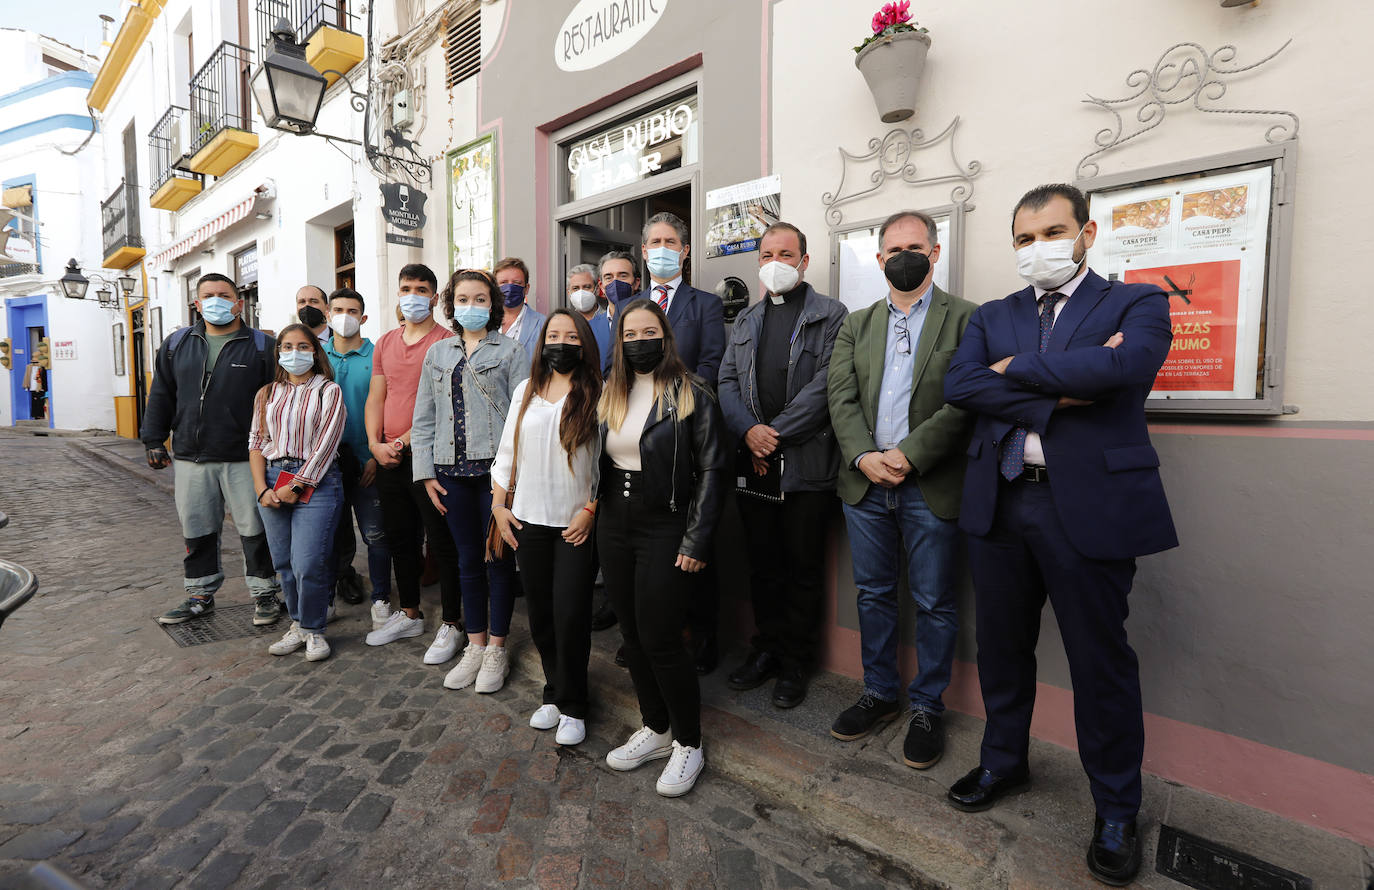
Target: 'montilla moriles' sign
[[597, 31]]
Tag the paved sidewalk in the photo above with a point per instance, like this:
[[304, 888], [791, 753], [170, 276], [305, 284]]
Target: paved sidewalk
[[135, 763]]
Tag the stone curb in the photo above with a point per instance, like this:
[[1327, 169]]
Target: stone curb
[[162, 480]]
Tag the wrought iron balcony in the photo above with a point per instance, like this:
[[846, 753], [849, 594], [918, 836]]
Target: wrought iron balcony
[[326, 28], [120, 235], [169, 144], [14, 270], [221, 118]]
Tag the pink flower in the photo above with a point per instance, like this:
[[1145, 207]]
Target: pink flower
[[878, 22], [902, 12]]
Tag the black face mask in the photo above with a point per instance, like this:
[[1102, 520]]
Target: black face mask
[[311, 316], [643, 355], [561, 357], [906, 270]]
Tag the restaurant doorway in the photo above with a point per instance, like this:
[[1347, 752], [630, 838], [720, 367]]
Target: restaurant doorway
[[587, 238]]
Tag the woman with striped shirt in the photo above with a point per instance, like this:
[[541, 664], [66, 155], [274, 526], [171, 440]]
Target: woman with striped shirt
[[298, 420]]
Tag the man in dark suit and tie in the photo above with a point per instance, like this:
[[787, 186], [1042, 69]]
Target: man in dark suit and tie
[[1061, 494]]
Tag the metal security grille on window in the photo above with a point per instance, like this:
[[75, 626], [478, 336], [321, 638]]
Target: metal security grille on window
[[225, 623], [463, 48]]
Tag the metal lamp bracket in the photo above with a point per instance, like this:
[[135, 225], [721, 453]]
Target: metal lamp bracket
[[385, 164]]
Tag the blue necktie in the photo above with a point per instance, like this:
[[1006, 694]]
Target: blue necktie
[[1014, 446]]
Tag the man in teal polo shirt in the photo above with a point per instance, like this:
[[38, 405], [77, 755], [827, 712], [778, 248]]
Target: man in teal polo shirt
[[350, 354]]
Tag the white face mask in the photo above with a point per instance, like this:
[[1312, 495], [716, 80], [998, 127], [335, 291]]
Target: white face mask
[[778, 277], [582, 299], [1048, 264], [344, 325]]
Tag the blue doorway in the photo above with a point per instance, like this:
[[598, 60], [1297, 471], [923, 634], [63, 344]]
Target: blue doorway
[[27, 324]]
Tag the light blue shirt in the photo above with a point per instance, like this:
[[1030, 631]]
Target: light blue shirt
[[353, 373], [894, 399]]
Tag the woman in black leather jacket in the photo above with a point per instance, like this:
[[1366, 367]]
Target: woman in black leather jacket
[[663, 476]]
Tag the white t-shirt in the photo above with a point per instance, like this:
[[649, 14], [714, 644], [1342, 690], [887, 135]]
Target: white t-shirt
[[547, 492], [622, 445]]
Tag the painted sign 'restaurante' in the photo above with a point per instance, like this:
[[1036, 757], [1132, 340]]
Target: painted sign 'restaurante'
[[597, 31]]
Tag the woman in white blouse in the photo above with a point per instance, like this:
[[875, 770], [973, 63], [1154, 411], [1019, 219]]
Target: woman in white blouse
[[298, 420], [549, 452]]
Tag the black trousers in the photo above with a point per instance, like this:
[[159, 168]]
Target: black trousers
[[786, 545], [408, 517], [558, 597], [639, 546], [1024, 557]]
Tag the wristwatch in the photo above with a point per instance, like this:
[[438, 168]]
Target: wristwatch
[[298, 488]]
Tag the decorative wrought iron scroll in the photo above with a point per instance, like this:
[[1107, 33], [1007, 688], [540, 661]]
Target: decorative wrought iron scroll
[[1184, 73], [893, 157]]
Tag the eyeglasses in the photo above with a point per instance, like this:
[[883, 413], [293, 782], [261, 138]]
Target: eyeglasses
[[903, 336], [287, 347]]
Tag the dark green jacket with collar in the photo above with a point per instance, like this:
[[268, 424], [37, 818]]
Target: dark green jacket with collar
[[939, 433]]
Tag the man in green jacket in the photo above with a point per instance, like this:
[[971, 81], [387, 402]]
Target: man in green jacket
[[902, 451]]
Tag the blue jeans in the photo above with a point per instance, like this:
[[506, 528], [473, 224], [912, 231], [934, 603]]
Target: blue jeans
[[366, 506], [488, 587], [879, 525], [301, 538]]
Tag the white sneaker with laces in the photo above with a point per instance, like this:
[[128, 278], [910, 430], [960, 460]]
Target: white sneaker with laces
[[682, 770], [466, 670], [546, 717], [316, 647], [571, 730], [381, 611], [292, 641], [495, 666], [398, 626], [445, 645], [643, 746]]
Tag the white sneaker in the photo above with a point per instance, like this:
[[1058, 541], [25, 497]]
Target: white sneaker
[[316, 647], [495, 667], [571, 730], [398, 626], [466, 670], [546, 717], [643, 746], [681, 772], [381, 611], [445, 645], [293, 640]]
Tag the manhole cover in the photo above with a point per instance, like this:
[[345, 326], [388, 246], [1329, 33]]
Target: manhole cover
[[225, 623]]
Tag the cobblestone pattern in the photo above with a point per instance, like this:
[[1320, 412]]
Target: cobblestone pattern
[[132, 763]]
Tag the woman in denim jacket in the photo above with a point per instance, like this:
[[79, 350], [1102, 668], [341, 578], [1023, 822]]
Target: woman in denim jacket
[[460, 409]]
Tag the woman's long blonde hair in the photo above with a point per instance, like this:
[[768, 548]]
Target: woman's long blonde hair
[[672, 380]]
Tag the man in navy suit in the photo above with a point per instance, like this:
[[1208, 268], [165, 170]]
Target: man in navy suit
[[697, 318], [1061, 494]]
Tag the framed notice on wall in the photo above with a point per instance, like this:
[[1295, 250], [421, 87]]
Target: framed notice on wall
[[857, 280], [1213, 235], [472, 205]]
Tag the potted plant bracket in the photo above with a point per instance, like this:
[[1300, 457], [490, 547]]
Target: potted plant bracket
[[892, 61]]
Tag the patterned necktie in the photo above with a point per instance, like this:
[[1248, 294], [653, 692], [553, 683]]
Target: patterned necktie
[[1014, 446], [661, 296]]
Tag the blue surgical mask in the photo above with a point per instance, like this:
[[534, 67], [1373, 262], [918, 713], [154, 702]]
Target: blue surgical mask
[[664, 262], [618, 291], [297, 362], [512, 295], [414, 308], [217, 310], [472, 318]]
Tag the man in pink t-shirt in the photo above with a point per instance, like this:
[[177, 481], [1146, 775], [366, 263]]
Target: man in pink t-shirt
[[407, 513]]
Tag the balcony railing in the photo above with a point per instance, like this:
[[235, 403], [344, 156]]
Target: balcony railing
[[219, 95], [119, 222], [305, 18], [168, 145], [13, 270]]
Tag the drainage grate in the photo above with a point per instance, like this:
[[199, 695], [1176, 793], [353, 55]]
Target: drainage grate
[[1207, 865], [225, 623]]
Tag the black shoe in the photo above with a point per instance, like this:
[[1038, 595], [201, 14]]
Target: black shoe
[[620, 657], [980, 789], [790, 690], [1114, 854], [349, 587], [755, 671], [925, 740], [604, 617], [705, 657], [859, 719]]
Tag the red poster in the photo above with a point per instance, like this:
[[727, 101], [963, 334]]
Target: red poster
[[1203, 300]]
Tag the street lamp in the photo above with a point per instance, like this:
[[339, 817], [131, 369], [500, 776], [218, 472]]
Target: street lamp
[[73, 283], [106, 297], [289, 91]]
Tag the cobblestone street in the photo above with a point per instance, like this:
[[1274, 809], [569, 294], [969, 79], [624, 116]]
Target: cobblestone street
[[131, 762]]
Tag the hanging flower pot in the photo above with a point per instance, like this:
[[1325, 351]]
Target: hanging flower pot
[[892, 61]]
